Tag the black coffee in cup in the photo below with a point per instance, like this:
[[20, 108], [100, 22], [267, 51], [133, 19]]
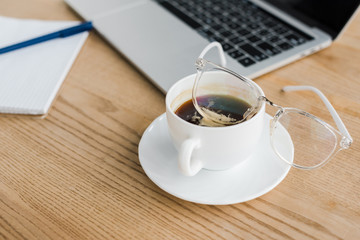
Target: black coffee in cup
[[224, 105]]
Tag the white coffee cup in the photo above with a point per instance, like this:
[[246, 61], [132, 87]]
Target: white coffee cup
[[211, 148]]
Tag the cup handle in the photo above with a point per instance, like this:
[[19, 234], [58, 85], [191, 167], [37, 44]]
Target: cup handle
[[187, 165]]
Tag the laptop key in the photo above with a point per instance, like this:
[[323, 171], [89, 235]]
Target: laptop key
[[285, 46], [270, 24], [223, 19], [209, 21], [200, 16], [295, 40], [241, 20], [246, 61], [253, 38], [253, 52], [263, 32], [259, 17], [227, 47], [243, 32], [219, 39], [209, 33], [253, 26], [226, 34], [236, 40], [274, 39], [268, 49], [281, 30], [234, 14], [236, 54], [217, 27], [233, 25]]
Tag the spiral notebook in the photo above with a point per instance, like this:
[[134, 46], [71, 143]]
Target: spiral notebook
[[31, 77]]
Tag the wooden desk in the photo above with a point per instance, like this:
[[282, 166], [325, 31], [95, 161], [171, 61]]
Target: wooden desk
[[76, 174]]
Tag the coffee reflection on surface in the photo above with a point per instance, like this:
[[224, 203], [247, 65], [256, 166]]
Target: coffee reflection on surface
[[228, 106]]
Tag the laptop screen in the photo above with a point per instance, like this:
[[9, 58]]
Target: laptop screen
[[328, 15]]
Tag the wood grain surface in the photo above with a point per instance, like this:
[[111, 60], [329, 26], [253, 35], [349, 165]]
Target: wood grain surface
[[76, 173]]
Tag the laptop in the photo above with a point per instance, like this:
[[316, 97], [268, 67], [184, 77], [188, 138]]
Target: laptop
[[163, 38]]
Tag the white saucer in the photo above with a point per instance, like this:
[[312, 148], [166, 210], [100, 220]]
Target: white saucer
[[251, 179]]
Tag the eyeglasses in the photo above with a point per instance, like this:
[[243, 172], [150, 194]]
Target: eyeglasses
[[313, 141]]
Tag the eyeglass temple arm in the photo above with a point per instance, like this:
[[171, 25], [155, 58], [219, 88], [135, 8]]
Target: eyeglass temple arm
[[334, 114], [220, 49]]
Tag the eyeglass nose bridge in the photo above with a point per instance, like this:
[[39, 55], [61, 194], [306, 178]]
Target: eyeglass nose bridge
[[345, 142], [200, 64], [280, 111], [263, 98]]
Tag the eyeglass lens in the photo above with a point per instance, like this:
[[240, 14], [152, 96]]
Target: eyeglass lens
[[223, 97], [313, 143]]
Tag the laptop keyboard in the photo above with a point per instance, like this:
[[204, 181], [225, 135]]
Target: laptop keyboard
[[246, 32]]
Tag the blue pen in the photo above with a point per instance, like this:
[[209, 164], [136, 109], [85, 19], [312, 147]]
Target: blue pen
[[59, 34]]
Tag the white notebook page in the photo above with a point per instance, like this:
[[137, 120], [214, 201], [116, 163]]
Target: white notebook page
[[30, 77]]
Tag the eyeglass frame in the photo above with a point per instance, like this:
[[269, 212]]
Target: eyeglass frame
[[346, 139]]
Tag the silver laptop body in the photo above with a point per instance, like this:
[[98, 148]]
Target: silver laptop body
[[165, 48]]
